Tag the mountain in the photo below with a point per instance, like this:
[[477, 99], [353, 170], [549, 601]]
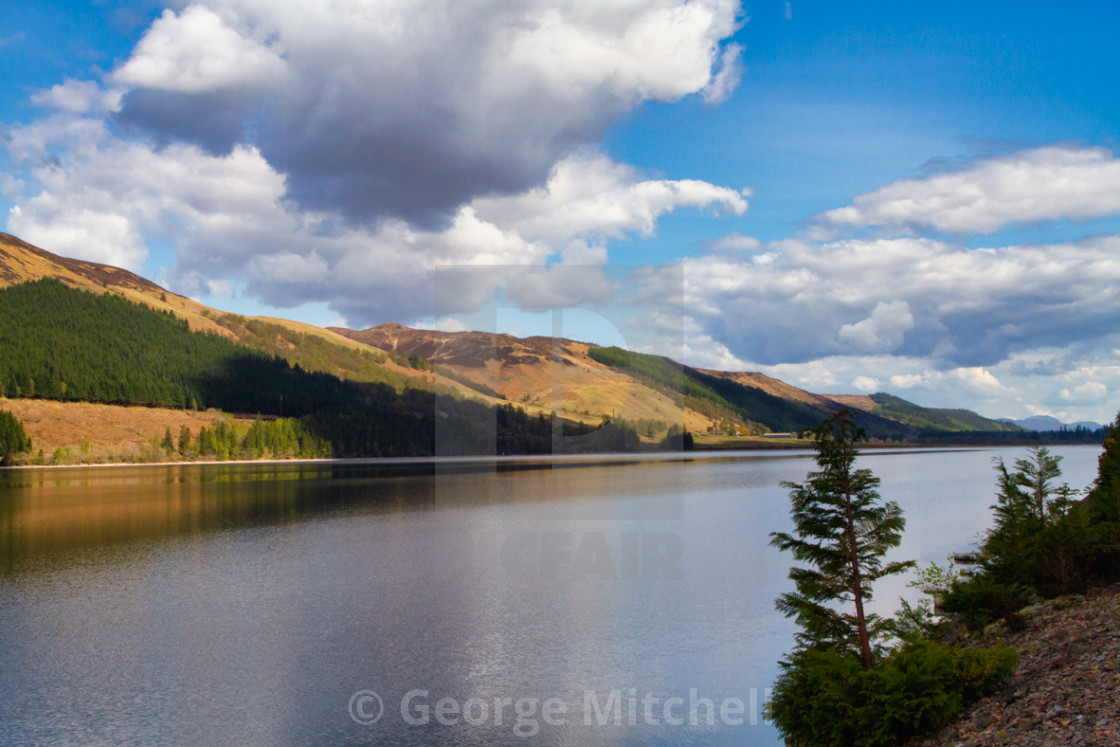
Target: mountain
[[535, 372], [925, 418], [1044, 423], [581, 382], [311, 348], [62, 344], [584, 382]]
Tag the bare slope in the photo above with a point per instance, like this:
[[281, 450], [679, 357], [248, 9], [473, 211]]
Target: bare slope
[[777, 388], [537, 372]]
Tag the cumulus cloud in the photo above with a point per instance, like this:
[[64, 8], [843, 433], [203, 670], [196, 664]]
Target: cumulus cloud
[[596, 195], [865, 384], [1090, 391], [1047, 183], [196, 51], [101, 196], [958, 307], [410, 109], [882, 331], [78, 97], [978, 378], [86, 231], [906, 381]]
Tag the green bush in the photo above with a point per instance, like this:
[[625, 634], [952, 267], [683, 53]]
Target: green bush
[[825, 698], [982, 601]]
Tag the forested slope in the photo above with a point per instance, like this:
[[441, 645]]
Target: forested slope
[[60, 343]]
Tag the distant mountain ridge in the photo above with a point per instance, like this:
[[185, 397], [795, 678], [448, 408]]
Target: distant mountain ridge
[[926, 418], [1043, 423]]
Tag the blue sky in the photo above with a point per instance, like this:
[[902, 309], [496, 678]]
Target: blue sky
[[917, 198]]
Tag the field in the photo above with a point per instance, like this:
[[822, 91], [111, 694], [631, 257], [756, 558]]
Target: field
[[76, 432]]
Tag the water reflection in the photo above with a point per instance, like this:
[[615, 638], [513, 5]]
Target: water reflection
[[247, 604], [47, 512]]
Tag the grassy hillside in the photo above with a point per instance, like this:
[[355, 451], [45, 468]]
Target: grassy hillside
[[317, 352], [726, 399], [540, 374], [65, 344], [59, 343], [936, 419], [307, 346]]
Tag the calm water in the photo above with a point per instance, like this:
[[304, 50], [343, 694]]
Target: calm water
[[267, 604]]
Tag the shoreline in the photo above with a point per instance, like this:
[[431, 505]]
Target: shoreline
[[631, 456], [601, 457]]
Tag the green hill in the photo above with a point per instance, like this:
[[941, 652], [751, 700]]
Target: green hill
[[723, 398], [61, 343], [936, 419]]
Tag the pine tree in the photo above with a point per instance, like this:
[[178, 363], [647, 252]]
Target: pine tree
[[842, 531], [184, 440], [1027, 503], [1104, 498], [13, 439], [167, 444]]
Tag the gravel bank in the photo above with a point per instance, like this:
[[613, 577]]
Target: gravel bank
[[1066, 689]]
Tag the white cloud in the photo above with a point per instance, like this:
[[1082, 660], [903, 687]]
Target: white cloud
[[99, 197], [1090, 391], [865, 384], [412, 108], [915, 297], [89, 232], [591, 194], [79, 97], [735, 242], [906, 381], [979, 379], [1027, 186], [195, 52], [706, 352], [882, 331], [727, 79]]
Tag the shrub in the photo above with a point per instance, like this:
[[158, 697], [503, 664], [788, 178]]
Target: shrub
[[826, 698], [982, 601]]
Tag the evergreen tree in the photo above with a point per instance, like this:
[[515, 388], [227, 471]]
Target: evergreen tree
[[1027, 503], [13, 439], [1104, 498], [842, 531], [184, 440]]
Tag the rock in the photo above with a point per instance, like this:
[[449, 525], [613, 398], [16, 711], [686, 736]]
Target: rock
[[1064, 691]]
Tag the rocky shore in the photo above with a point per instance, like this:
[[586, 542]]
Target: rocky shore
[[1066, 689]]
